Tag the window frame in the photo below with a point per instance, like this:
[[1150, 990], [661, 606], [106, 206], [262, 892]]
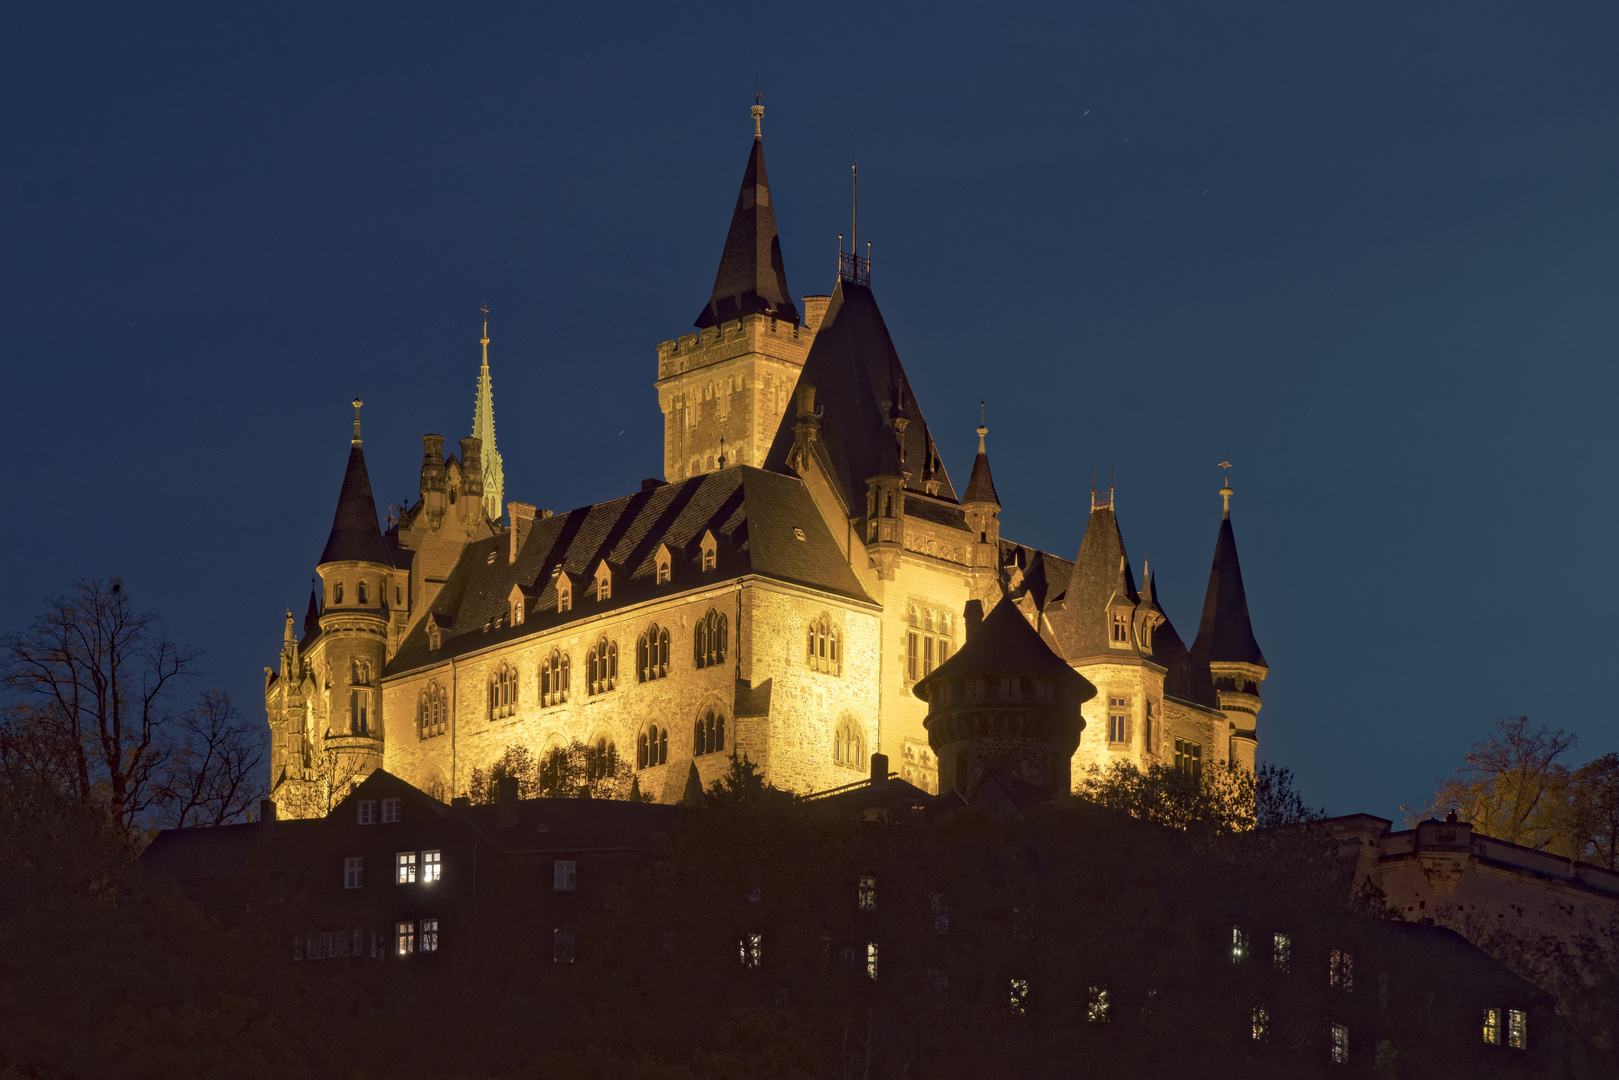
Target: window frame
[[432, 866], [353, 872], [406, 865], [565, 875]]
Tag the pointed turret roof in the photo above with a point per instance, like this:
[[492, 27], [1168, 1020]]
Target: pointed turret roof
[[1182, 679], [312, 617], [981, 486], [483, 429], [1225, 633], [355, 536], [752, 278], [863, 392], [1081, 622]]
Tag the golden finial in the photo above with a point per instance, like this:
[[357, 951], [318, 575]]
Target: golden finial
[[1225, 491], [357, 404], [758, 107], [982, 430], [485, 339]]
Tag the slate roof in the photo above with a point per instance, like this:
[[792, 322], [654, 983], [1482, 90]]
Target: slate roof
[[755, 517], [1225, 632], [861, 388], [1005, 641], [1183, 679], [1080, 620], [981, 486], [354, 535], [1044, 575], [751, 278]]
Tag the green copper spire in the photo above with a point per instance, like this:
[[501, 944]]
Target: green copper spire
[[483, 428]]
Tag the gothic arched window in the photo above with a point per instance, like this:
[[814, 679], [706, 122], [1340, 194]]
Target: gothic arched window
[[652, 654], [554, 679], [601, 760], [709, 734], [432, 714], [823, 646], [709, 641], [601, 665], [503, 692], [849, 745], [652, 747]]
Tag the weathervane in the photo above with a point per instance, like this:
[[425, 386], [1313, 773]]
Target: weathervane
[[758, 106], [1225, 491]]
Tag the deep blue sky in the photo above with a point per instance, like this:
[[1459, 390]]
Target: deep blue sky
[[1367, 252]]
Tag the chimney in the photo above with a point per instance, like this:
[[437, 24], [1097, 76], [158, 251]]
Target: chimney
[[521, 516], [472, 467], [507, 802], [971, 617], [815, 310], [432, 463], [879, 768]]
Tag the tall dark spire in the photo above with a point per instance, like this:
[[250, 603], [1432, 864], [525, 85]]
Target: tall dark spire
[[981, 486], [355, 536], [1225, 634], [752, 278]]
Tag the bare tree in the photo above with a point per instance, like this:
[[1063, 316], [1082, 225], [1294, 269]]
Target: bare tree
[[212, 775], [1594, 813], [1510, 785]]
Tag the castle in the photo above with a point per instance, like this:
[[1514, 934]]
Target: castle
[[803, 564]]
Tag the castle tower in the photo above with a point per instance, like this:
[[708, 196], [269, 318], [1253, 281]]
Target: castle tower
[[724, 389], [1104, 628], [983, 510], [356, 573], [1225, 644], [1004, 704], [483, 429]]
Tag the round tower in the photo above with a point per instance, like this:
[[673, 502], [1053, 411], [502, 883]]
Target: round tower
[[355, 569], [1004, 704]]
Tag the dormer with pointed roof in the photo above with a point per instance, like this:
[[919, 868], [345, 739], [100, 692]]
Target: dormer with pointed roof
[[1225, 644]]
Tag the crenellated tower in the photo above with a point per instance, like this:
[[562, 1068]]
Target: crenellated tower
[[724, 389], [1225, 645]]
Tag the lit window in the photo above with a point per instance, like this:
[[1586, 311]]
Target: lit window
[[871, 960], [564, 875], [391, 810], [1340, 1044], [1097, 1004], [1341, 970], [1517, 1029], [1239, 944], [1492, 1026], [432, 866], [564, 946], [1282, 952], [354, 872], [407, 868], [429, 935], [404, 938], [752, 950], [866, 892], [1019, 996], [1261, 1022], [368, 811]]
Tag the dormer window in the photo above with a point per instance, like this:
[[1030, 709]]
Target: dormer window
[[433, 640], [710, 552], [1121, 628], [564, 593], [665, 561], [517, 613]]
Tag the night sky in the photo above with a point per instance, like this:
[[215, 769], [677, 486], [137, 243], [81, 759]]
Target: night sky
[[1366, 252]]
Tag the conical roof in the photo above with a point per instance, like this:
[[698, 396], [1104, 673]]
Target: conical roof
[[312, 617], [981, 486], [355, 536], [1225, 634], [1005, 641], [863, 392], [752, 278], [1081, 623]]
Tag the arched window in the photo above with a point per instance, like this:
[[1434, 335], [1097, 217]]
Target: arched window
[[602, 665], [601, 760], [652, 747], [359, 593], [709, 640], [823, 646], [432, 714], [503, 692], [337, 595], [709, 734], [554, 679], [652, 654], [849, 745], [517, 613]]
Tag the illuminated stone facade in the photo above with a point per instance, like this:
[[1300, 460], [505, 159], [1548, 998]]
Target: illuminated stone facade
[[806, 562]]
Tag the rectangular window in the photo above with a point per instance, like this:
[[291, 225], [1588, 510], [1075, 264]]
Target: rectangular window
[[1118, 720], [871, 959], [927, 656], [564, 946], [432, 866], [1239, 944], [1097, 1004], [913, 663], [752, 950], [1282, 952], [1492, 1026], [390, 811], [404, 938], [1340, 1044], [407, 868], [1019, 996], [1189, 758], [1517, 1029], [368, 811], [1121, 629], [564, 875], [429, 935], [866, 892], [354, 872], [1341, 970]]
